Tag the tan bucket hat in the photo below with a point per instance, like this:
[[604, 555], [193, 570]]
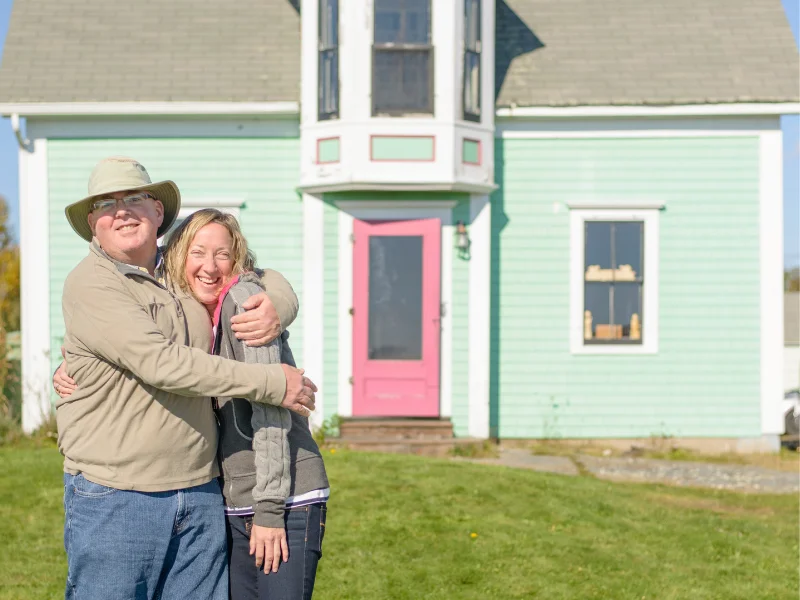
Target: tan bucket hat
[[120, 174]]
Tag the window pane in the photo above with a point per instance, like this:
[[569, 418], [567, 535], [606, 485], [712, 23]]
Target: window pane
[[395, 298], [597, 303], [328, 23], [401, 81], [627, 303], [597, 253], [328, 83], [628, 247], [472, 26], [472, 83], [402, 22]]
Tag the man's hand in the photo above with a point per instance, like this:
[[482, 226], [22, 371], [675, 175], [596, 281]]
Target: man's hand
[[260, 324], [270, 546], [63, 383], [300, 390]]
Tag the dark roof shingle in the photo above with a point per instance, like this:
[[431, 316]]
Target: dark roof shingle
[[151, 50], [549, 52], [606, 52]]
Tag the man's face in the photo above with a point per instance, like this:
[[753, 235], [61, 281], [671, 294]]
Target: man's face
[[127, 230]]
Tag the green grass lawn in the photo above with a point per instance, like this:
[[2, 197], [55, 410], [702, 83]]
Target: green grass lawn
[[401, 527]]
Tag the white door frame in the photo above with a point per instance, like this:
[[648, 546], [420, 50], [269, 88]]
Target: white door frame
[[368, 210]]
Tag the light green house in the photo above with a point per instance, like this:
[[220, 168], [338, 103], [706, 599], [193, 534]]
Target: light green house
[[504, 214]]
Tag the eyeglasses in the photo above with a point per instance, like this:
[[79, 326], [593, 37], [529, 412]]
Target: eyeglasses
[[132, 201]]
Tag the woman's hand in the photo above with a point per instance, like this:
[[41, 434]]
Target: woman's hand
[[270, 546], [63, 383], [260, 323]]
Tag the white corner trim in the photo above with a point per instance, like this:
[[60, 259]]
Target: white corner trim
[[614, 203], [35, 285], [650, 310], [71, 109], [313, 299], [480, 233], [345, 318], [771, 269], [694, 110]]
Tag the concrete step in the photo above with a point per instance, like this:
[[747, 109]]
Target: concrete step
[[396, 429]]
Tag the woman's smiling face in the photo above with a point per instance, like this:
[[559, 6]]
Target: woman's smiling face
[[209, 263]]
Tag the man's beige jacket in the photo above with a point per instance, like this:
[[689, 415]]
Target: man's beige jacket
[[141, 418]]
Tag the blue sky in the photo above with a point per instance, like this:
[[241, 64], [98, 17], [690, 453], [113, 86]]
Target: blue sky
[[791, 129]]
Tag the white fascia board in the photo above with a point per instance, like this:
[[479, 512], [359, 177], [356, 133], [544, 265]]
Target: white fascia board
[[72, 109], [686, 110], [472, 188]]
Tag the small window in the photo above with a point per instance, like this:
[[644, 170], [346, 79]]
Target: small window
[[402, 58], [472, 60], [231, 206], [328, 59], [614, 281]]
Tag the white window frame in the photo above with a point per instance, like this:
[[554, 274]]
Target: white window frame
[[650, 218]]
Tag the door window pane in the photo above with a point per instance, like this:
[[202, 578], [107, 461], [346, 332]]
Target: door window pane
[[395, 298]]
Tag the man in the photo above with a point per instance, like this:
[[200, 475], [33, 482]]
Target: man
[[143, 508]]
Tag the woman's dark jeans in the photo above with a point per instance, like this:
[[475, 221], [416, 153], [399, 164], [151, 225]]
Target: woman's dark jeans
[[305, 528]]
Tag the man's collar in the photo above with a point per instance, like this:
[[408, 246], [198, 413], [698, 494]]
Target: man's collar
[[127, 268]]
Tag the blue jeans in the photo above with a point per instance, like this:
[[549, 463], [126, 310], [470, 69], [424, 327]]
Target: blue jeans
[[144, 545], [305, 528]]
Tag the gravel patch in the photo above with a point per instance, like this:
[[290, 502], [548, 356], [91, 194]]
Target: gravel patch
[[743, 478]]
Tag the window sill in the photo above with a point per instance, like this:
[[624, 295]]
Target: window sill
[[581, 348]]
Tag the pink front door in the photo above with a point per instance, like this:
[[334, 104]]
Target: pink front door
[[396, 304]]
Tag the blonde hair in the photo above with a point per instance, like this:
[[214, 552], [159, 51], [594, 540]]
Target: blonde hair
[[177, 247]]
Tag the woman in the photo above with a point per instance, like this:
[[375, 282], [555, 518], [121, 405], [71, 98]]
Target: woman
[[274, 482]]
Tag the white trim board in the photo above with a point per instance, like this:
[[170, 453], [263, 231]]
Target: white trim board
[[148, 127], [351, 210], [694, 110], [35, 288], [627, 127], [650, 310], [480, 296], [313, 299], [771, 270], [60, 109]]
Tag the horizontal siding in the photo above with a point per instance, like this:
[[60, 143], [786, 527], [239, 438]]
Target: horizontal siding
[[705, 379], [263, 172]]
